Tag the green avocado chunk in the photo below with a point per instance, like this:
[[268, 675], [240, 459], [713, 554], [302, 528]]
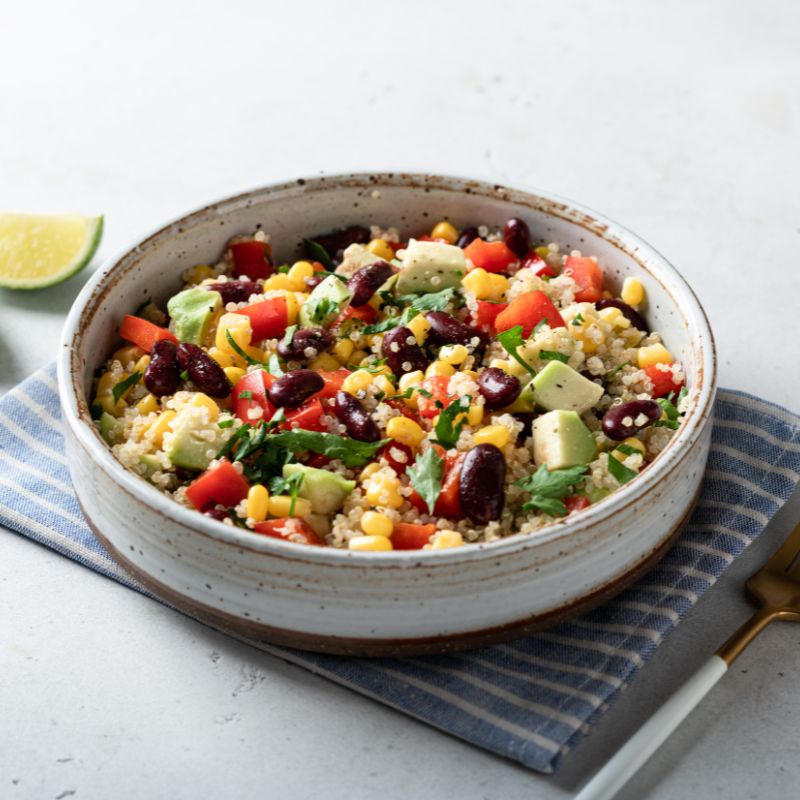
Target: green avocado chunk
[[560, 439], [191, 447], [149, 464], [110, 428], [430, 267], [558, 386], [191, 312], [325, 303], [325, 490]]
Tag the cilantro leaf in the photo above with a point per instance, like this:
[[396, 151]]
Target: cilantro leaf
[[612, 372], [619, 471], [548, 488], [667, 407], [323, 309], [351, 452], [391, 322], [274, 366], [537, 327], [316, 252], [225, 423], [432, 301], [451, 421], [627, 449], [511, 341], [123, 386], [553, 355], [426, 476], [238, 350], [578, 320], [290, 486]]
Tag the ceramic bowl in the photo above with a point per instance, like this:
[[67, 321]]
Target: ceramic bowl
[[338, 601]]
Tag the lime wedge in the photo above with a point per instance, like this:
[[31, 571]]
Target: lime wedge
[[38, 250]]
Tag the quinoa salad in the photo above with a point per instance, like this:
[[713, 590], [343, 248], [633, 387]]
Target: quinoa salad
[[385, 392]]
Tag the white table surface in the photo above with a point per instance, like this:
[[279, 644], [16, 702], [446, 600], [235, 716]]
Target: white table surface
[[680, 120]]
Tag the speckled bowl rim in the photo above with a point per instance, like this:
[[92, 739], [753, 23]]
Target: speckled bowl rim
[[76, 412]]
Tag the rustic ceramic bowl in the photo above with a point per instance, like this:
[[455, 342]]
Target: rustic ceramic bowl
[[380, 603]]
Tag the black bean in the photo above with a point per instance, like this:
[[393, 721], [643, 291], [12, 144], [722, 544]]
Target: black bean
[[634, 316], [355, 418], [498, 388], [467, 237], [294, 388], [614, 425], [401, 351], [235, 291], [318, 339], [203, 371], [448, 330], [481, 487], [517, 236], [337, 242], [366, 281], [163, 375]]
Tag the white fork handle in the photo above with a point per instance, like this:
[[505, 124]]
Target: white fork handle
[[627, 760]]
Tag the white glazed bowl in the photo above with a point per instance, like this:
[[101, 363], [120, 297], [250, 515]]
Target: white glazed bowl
[[380, 603]]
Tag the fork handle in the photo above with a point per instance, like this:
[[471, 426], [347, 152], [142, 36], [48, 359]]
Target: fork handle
[[627, 760]]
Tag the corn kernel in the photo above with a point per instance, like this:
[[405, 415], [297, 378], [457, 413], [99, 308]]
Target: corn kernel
[[500, 363], [405, 431], [613, 316], [498, 286], [375, 523], [359, 356], [419, 326], [105, 394], [234, 374], [280, 505], [110, 407], [279, 282], [293, 306], [356, 381], [147, 405], [542, 251], [366, 544], [160, 426], [653, 354], [325, 362], [443, 540], [632, 292], [477, 281], [470, 373], [444, 230], [298, 273], [198, 274], [257, 502], [141, 365], [453, 354], [222, 358], [125, 355], [383, 384], [238, 325], [409, 381], [383, 489], [498, 435], [201, 400], [381, 249], [369, 470], [440, 368], [343, 349], [631, 441], [475, 416]]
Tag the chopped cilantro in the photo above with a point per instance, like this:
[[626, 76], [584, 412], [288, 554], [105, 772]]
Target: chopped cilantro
[[552, 355], [619, 471], [451, 421], [612, 372], [290, 486], [548, 488], [537, 327], [225, 423], [120, 388], [317, 252], [245, 395], [578, 319], [389, 323], [238, 350], [351, 452], [512, 340], [426, 476], [627, 449], [274, 366], [184, 376]]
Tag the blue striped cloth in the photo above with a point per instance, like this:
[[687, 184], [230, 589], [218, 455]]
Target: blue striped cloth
[[532, 699]]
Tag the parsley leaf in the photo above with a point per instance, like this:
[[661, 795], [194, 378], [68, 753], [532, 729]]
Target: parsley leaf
[[184, 376], [537, 327], [578, 320], [316, 252], [351, 452], [619, 471], [548, 488], [450, 422], [612, 372], [323, 309], [225, 423], [245, 395], [511, 341], [238, 350], [667, 406], [290, 486], [432, 301], [426, 476], [123, 386], [627, 449], [391, 322], [552, 355]]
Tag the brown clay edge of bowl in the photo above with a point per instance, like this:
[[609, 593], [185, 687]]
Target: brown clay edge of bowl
[[345, 646]]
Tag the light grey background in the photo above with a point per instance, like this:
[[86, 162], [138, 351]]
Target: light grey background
[[679, 120]]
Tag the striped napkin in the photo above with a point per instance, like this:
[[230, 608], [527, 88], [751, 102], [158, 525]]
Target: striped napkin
[[532, 699]]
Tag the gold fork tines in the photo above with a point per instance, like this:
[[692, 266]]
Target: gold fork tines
[[776, 586]]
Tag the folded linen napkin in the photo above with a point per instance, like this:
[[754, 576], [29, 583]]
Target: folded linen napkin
[[532, 699]]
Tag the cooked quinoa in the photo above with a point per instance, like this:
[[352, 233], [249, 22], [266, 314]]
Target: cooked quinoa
[[387, 393]]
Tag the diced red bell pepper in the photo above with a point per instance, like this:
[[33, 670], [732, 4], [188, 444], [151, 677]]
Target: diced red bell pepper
[[307, 417], [529, 310], [251, 392], [268, 318], [448, 504], [221, 485], [252, 258], [333, 383], [534, 260], [437, 387], [576, 502], [399, 456], [142, 333], [366, 314], [400, 406], [491, 256], [299, 531], [318, 267], [663, 380], [487, 313], [407, 536], [397, 246], [587, 274]]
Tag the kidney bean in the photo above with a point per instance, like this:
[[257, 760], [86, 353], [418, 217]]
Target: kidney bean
[[401, 351], [215, 513], [315, 280], [203, 371], [355, 418], [163, 375], [517, 236], [337, 242], [366, 281], [634, 316], [619, 422], [294, 388], [235, 291], [317, 339], [467, 237], [481, 487], [448, 330], [498, 388]]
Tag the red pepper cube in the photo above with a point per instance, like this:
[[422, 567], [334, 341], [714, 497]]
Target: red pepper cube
[[529, 310], [268, 318], [252, 392], [587, 274], [491, 256], [252, 258], [222, 485]]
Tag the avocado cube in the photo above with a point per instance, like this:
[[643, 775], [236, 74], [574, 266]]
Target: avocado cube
[[325, 303], [192, 311], [560, 439], [558, 386], [430, 267], [325, 490]]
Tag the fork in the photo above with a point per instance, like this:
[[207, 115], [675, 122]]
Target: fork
[[776, 588]]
